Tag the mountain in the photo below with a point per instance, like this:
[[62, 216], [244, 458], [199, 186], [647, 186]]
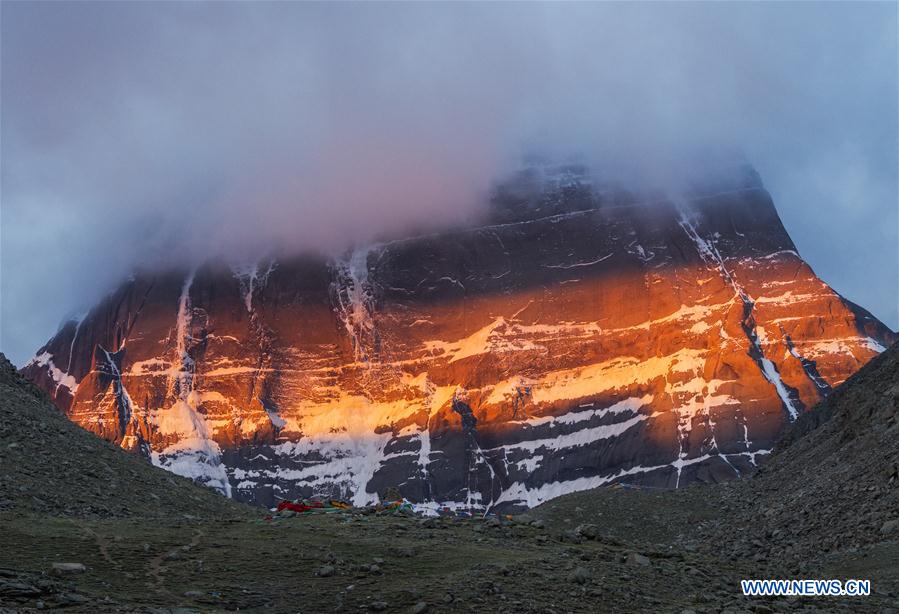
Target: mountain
[[50, 466], [579, 336]]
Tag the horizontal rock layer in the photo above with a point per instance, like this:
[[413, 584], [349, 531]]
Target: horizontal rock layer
[[577, 338]]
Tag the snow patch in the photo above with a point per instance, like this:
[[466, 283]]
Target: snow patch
[[874, 346], [60, 377]]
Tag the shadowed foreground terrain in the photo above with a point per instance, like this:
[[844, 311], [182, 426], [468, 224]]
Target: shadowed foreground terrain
[[825, 505]]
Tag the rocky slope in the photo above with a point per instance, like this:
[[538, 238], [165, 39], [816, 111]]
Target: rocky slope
[[833, 483], [580, 336], [50, 466]]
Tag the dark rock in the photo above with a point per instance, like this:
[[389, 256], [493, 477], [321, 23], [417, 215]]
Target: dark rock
[[635, 558], [579, 575], [325, 571], [68, 568], [590, 531]]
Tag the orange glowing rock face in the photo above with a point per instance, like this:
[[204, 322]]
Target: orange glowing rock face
[[573, 341]]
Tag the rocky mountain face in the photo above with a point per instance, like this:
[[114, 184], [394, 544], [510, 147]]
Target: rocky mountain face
[[580, 336]]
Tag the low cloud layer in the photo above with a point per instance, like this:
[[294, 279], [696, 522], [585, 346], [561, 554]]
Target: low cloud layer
[[162, 133]]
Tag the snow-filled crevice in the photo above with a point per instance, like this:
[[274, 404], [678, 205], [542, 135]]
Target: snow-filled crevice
[[808, 366], [353, 301], [252, 277], [476, 456], [123, 399], [424, 438], [193, 453], [78, 323], [708, 252]]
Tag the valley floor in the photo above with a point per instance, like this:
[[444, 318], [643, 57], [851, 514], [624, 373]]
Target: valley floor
[[648, 552]]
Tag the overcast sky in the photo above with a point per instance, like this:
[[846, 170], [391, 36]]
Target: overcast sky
[[162, 133]]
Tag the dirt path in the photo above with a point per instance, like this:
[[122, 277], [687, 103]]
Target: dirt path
[[157, 566]]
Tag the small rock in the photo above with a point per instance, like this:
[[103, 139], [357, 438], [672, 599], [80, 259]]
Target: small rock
[[68, 568], [635, 558], [579, 575], [418, 608], [890, 526], [590, 531], [378, 606], [324, 571], [571, 536]]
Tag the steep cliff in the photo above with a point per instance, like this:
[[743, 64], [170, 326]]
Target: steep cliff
[[579, 336]]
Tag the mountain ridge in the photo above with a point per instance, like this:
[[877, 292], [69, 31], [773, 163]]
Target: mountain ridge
[[582, 339]]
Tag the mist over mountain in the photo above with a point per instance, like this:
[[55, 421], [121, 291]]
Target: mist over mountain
[[156, 135], [576, 336]]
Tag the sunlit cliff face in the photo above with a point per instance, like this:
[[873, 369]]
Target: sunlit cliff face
[[568, 343]]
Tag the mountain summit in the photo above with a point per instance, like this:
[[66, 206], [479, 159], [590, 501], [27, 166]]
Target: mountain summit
[[580, 336]]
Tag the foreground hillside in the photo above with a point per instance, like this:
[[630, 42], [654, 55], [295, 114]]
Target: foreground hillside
[[50, 466], [821, 508]]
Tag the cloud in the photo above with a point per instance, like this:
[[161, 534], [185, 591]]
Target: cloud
[[160, 133]]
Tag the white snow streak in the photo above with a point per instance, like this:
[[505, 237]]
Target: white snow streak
[[195, 454], [353, 297], [709, 253], [251, 277], [578, 264]]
